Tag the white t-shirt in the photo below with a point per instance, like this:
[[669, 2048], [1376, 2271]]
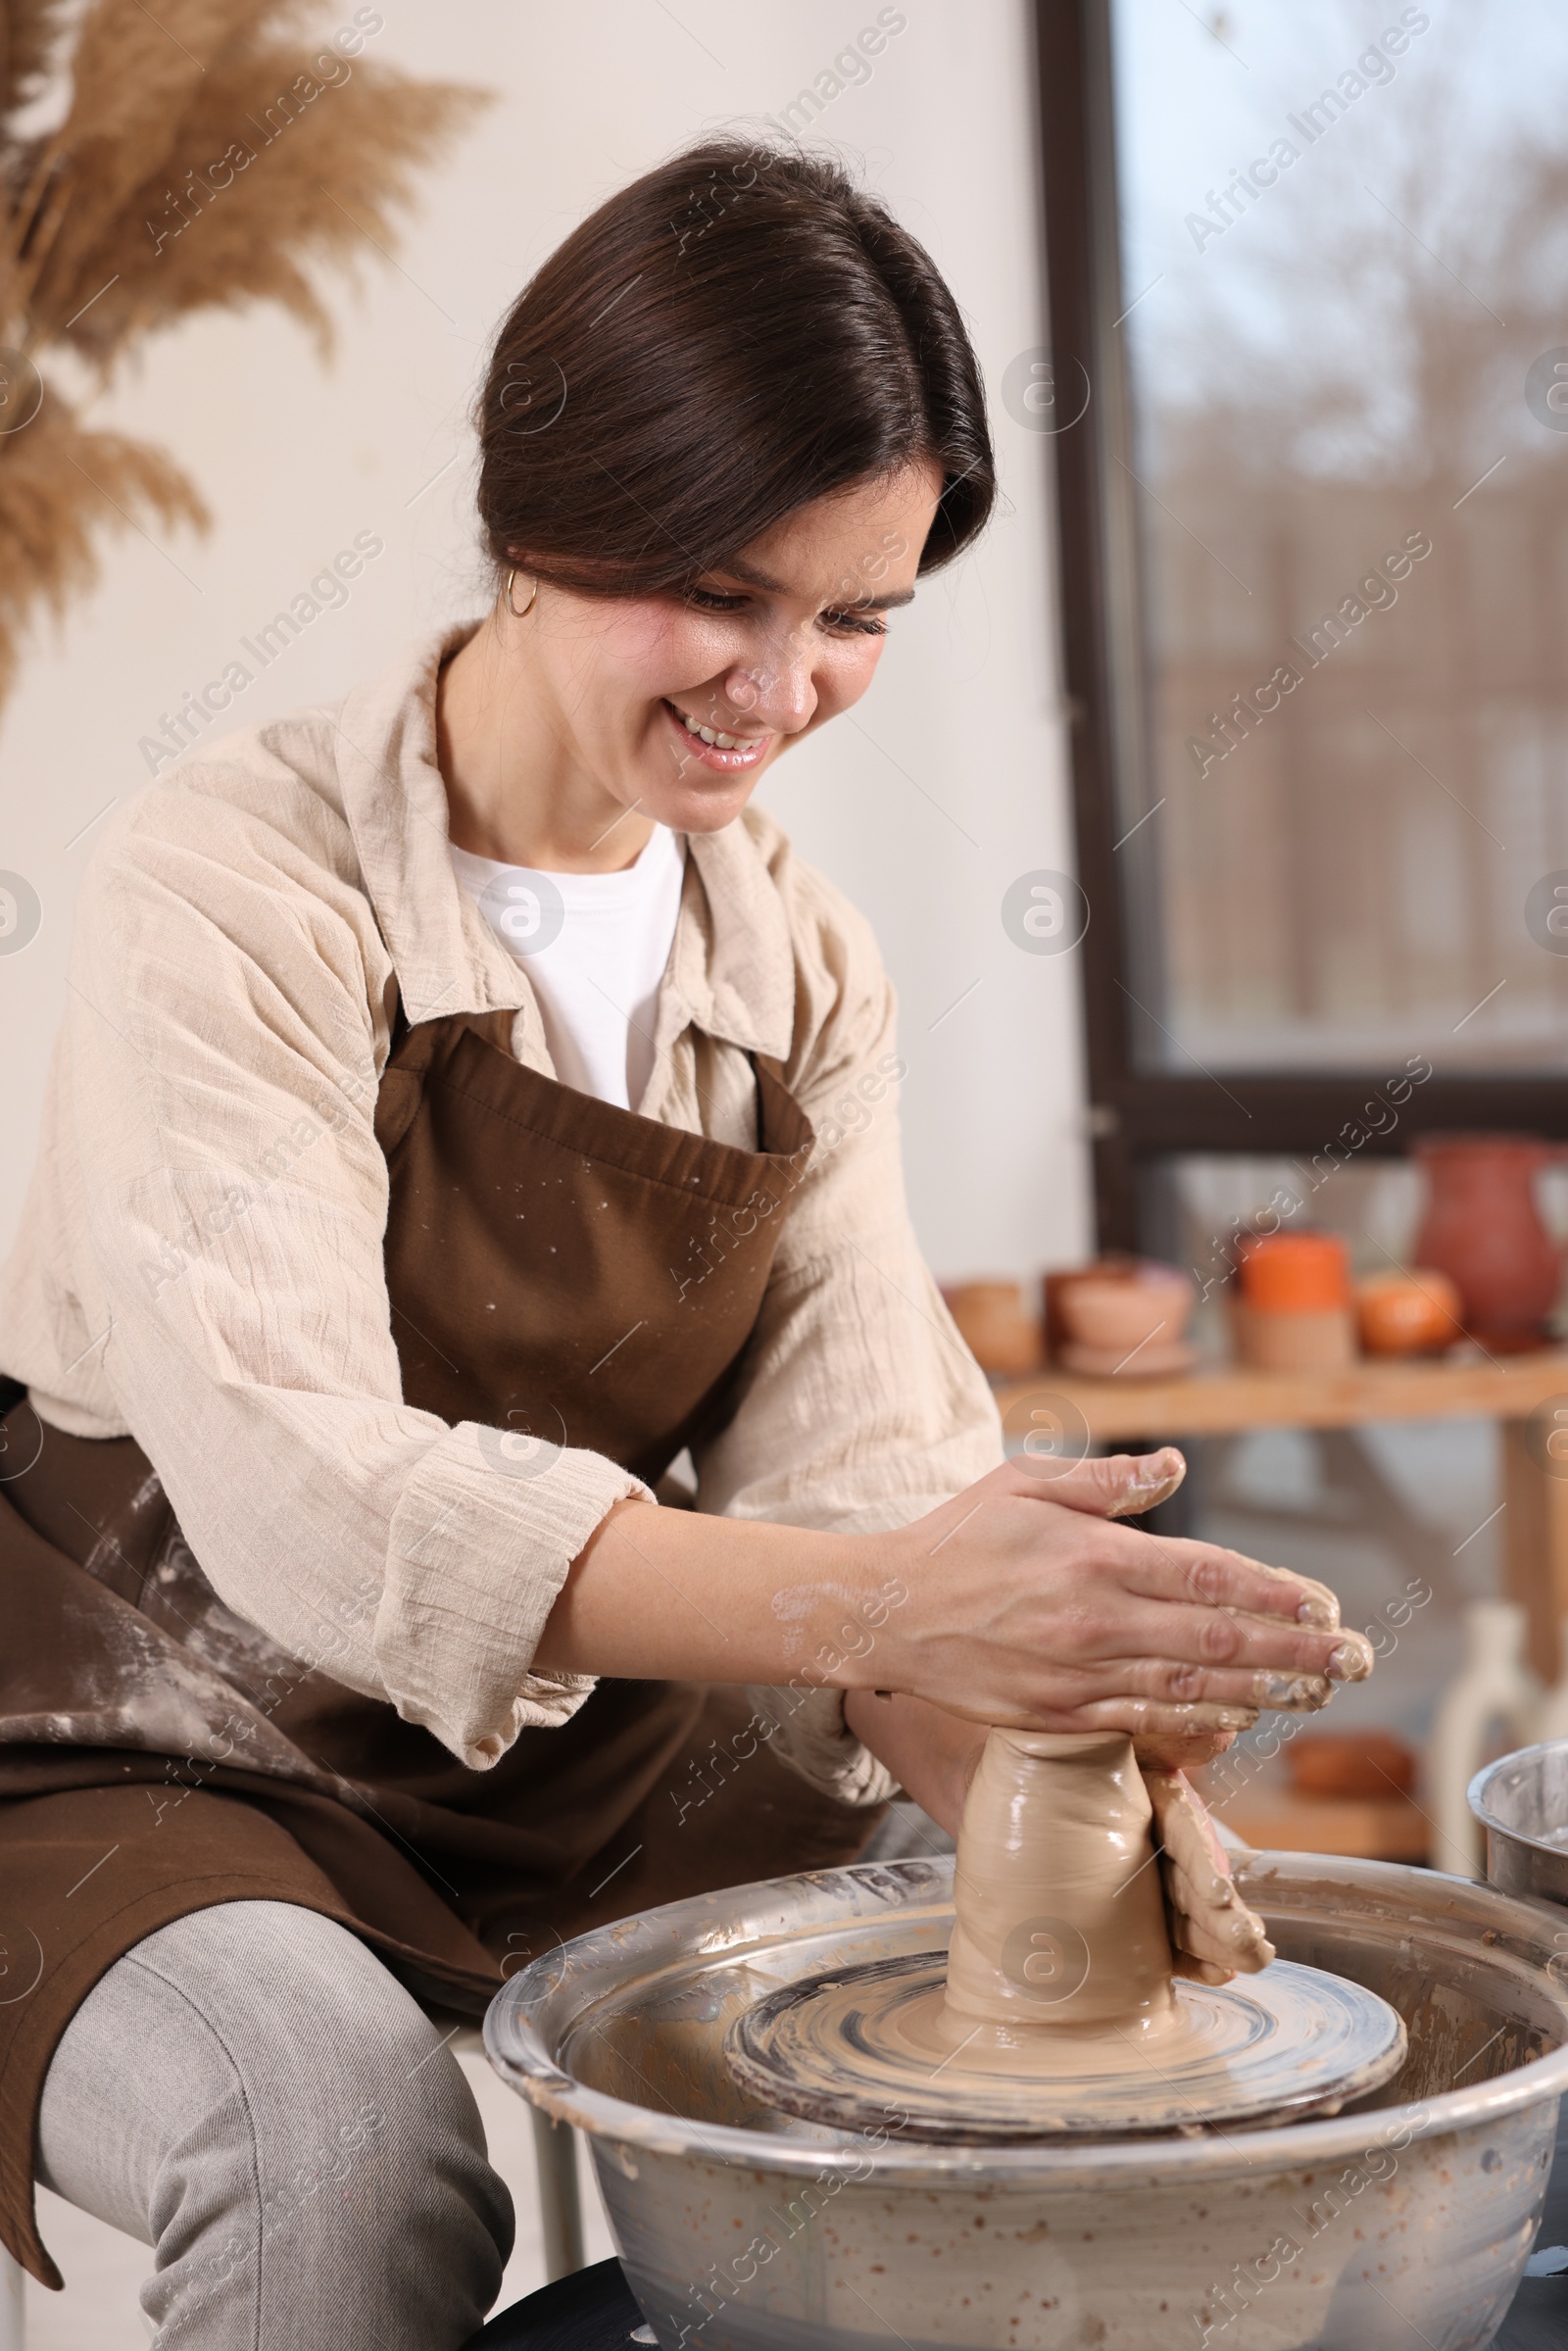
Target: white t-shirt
[[595, 947]]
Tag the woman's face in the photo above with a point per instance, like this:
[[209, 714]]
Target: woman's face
[[760, 654]]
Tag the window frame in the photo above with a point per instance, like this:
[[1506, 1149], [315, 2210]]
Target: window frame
[[1139, 1117]]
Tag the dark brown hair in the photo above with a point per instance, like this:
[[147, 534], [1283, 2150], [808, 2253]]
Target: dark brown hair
[[736, 333]]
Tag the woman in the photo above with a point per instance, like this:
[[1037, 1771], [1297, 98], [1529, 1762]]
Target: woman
[[468, 1111]]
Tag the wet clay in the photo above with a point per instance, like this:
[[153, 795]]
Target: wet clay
[[1059, 1908], [855, 2050], [1058, 2008], [1060, 1941]]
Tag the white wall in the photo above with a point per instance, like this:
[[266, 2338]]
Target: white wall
[[946, 784]]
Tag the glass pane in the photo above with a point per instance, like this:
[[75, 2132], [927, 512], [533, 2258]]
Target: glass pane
[[1345, 256]]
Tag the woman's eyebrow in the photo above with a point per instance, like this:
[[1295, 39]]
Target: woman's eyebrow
[[880, 603], [750, 577]]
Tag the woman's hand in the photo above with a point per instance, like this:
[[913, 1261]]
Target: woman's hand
[[1212, 1932], [1028, 1606], [933, 1753], [1019, 1601]]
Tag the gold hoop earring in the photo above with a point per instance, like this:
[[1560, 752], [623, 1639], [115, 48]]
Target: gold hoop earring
[[533, 597]]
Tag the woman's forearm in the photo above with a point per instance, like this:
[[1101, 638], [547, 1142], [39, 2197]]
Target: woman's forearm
[[1020, 1601], [677, 1595]]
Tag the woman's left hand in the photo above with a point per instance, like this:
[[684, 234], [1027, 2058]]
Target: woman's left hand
[[1212, 1932]]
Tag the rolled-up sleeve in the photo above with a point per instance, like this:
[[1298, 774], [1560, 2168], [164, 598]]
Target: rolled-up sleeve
[[219, 1067], [861, 1407]]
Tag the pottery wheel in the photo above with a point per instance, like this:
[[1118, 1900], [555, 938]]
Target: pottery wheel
[[852, 2049], [1057, 2010]]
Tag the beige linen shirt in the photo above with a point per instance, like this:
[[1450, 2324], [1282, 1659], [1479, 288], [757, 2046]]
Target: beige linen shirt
[[199, 1261]]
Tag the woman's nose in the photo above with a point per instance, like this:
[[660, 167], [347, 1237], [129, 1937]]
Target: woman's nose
[[780, 693]]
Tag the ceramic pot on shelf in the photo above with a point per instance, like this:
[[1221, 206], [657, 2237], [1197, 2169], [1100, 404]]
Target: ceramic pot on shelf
[[1483, 1227], [1122, 1317], [997, 1326], [1295, 1313], [1415, 1313]]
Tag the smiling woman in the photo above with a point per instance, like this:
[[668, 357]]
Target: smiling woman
[[666, 707], [646, 420], [470, 1112]]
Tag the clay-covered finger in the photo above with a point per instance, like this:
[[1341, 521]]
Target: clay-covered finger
[[1181, 1752], [1158, 1476], [1143, 1626], [1185, 1834], [1208, 1575], [1327, 1598], [1169, 1683], [1225, 1928], [1147, 1719], [1115, 1485], [1235, 1938], [1202, 1970], [1244, 1949], [1209, 1920]]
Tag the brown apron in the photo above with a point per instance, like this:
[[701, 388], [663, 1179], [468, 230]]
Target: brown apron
[[562, 1272]]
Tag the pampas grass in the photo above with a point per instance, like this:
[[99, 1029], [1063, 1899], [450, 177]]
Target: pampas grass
[[204, 154]]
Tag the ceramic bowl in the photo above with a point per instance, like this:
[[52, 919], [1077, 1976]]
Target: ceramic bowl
[[1405, 2220], [1408, 1313], [1113, 1313]]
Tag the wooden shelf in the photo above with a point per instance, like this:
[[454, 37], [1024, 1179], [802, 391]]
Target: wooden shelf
[[1373, 1828], [1224, 1402]]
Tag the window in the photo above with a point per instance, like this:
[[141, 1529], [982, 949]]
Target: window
[[1309, 337]]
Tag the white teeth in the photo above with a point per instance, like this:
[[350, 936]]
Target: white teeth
[[709, 734]]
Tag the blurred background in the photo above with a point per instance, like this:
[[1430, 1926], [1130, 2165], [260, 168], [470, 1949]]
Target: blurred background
[[1307, 391]]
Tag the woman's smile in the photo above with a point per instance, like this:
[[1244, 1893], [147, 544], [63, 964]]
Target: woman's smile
[[711, 747]]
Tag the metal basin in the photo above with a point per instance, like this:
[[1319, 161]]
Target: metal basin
[[1522, 1803], [1406, 2219]]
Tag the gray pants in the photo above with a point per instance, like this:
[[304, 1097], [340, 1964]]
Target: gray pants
[[251, 2093]]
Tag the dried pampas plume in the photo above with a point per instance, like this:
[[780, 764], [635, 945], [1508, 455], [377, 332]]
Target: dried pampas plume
[[202, 153]]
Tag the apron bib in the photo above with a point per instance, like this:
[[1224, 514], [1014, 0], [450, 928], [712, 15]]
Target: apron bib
[[561, 1271]]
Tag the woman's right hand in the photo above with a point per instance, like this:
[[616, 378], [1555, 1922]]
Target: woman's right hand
[[1030, 1605]]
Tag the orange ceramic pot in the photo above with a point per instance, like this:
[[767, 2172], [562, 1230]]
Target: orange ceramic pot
[[1294, 1313], [1297, 1273], [1408, 1313]]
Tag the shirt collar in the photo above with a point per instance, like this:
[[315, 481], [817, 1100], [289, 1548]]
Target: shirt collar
[[734, 962], [732, 965]]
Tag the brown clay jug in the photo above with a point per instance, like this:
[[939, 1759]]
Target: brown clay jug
[[1483, 1229]]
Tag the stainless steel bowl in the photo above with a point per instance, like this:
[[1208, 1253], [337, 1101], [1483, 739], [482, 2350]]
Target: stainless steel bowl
[[1522, 1803], [1406, 2219]]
